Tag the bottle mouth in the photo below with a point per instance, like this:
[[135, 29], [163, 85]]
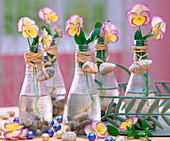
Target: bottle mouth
[[140, 42]]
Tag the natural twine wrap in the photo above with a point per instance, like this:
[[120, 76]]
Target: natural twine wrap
[[137, 49], [85, 58], [105, 67]]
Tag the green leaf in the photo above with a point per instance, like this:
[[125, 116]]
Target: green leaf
[[80, 40], [35, 41], [144, 125], [112, 121], [108, 21], [147, 36], [138, 35], [98, 25], [113, 130], [56, 35], [93, 35], [98, 82], [47, 29], [166, 88]]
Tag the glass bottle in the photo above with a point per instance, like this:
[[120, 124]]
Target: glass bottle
[[35, 105], [141, 84], [83, 104], [106, 83], [57, 90]]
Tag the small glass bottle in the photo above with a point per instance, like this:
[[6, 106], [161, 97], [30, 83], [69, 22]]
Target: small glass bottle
[[106, 83], [35, 105], [83, 104], [141, 84]]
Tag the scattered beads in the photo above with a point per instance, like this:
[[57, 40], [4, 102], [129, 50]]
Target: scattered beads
[[30, 135], [59, 119], [91, 136], [56, 127], [59, 134], [45, 137], [16, 119], [50, 132]]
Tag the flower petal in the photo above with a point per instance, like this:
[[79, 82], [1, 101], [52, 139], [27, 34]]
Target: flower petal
[[12, 134], [94, 125], [20, 23], [88, 129], [24, 134], [159, 35], [155, 20], [135, 119], [13, 126], [102, 136], [101, 33], [101, 128]]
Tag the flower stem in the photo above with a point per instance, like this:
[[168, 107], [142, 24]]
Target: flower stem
[[36, 92], [28, 41], [53, 88]]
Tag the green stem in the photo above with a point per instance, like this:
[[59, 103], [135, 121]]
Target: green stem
[[28, 41], [150, 31], [53, 88], [140, 29], [36, 92], [87, 85]]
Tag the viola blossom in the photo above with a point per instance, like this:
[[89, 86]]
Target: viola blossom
[[48, 15], [13, 130], [99, 128], [138, 15], [158, 27], [57, 30], [74, 24], [109, 31], [28, 27], [128, 122], [45, 38]]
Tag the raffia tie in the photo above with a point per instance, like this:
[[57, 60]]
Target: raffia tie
[[35, 57], [137, 49], [83, 56], [53, 51]]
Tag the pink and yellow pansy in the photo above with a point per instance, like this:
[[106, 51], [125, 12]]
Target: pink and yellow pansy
[[99, 128], [13, 130], [138, 15], [48, 15], [28, 27], [57, 30], [109, 31], [158, 27], [45, 38], [128, 122], [74, 24]]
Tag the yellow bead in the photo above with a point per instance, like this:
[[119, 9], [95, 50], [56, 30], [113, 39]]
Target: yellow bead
[[45, 137]]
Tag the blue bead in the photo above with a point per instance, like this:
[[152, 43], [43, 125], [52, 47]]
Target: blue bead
[[50, 132], [30, 135], [59, 119], [91, 136], [108, 138], [16, 119], [52, 122], [56, 127]]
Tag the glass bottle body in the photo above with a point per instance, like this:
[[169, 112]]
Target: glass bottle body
[[141, 85], [83, 104], [57, 90], [35, 105], [106, 83]]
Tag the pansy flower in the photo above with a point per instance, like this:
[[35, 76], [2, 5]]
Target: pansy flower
[[109, 31], [158, 27], [57, 30], [128, 123], [28, 27], [48, 15], [45, 38], [74, 24], [138, 15], [13, 130], [99, 128]]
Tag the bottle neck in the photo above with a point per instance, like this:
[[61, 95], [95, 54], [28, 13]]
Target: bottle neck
[[140, 50]]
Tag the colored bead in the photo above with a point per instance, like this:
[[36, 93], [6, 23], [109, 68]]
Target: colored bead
[[45, 137], [50, 132], [91, 136], [52, 122], [56, 127], [16, 119], [30, 135], [59, 119], [108, 138]]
